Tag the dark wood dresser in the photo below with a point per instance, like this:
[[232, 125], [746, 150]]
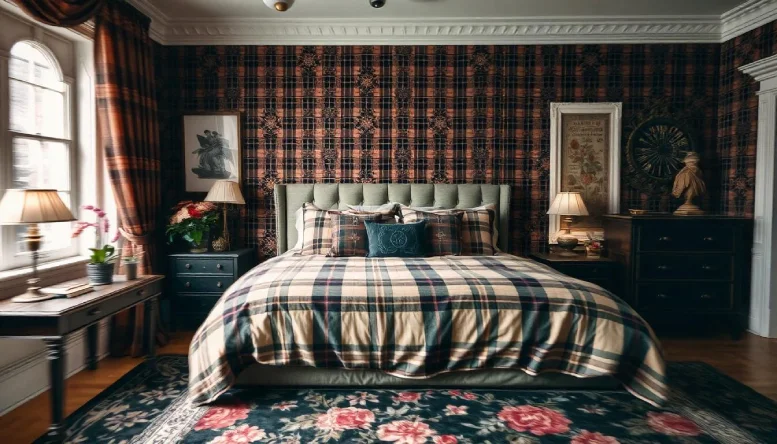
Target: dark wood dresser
[[199, 280], [680, 270]]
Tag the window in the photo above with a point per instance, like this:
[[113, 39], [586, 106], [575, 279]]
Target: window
[[39, 141]]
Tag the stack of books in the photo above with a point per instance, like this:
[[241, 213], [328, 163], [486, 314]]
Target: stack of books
[[68, 289]]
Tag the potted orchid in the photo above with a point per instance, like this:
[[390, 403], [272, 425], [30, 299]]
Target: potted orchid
[[100, 266], [192, 221]]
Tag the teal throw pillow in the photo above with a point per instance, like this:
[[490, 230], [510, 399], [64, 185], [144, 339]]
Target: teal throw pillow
[[396, 240]]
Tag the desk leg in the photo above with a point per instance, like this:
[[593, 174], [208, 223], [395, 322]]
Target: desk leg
[[55, 353], [149, 331], [91, 345]]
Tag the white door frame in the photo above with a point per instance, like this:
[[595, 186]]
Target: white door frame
[[763, 292]]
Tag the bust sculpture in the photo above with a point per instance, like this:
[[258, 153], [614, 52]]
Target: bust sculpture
[[689, 184]]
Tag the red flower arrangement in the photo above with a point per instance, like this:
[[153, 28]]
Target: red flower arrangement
[[191, 220]]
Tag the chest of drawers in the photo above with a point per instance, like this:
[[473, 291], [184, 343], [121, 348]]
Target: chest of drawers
[[199, 280], [677, 269]]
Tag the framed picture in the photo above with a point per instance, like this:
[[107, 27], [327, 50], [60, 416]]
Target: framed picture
[[211, 144], [585, 140]]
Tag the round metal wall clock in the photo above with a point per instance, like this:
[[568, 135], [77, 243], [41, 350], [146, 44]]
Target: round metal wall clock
[[655, 153]]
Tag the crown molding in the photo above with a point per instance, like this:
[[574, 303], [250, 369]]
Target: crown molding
[[484, 30], [746, 17]]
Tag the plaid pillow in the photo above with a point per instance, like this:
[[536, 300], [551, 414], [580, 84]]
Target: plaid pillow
[[477, 231], [443, 230], [317, 230], [349, 235]]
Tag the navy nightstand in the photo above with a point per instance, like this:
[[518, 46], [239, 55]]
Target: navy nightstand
[[199, 280]]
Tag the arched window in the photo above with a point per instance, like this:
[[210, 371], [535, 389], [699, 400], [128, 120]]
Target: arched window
[[40, 140]]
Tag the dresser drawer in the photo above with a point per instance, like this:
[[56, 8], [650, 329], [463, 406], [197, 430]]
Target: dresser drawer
[[205, 265], [202, 284], [685, 236], [95, 312], [684, 296], [679, 266]]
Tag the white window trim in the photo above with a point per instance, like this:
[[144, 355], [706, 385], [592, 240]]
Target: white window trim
[[10, 259]]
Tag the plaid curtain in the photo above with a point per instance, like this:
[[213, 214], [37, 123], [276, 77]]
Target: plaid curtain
[[66, 13], [128, 132]]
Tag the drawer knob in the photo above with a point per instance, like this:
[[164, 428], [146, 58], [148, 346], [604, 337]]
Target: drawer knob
[[661, 296], [94, 312], [664, 239], [219, 266], [662, 267], [709, 239], [188, 266], [706, 296], [141, 291], [706, 267], [219, 284], [187, 285]]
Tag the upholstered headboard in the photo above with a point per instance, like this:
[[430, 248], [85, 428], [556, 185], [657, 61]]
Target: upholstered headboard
[[289, 198]]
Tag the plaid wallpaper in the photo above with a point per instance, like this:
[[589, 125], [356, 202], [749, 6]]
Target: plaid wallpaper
[[738, 117], [450, 114]]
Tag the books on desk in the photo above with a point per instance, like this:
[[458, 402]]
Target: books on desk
[[68, 289]]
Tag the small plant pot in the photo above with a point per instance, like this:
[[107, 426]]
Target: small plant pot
[[100, 274], [131, 270]]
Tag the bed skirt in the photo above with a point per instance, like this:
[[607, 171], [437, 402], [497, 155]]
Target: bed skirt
[[264, 375]]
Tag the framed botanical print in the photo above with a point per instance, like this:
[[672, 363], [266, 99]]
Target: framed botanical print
[[585, 140], [211, 149]]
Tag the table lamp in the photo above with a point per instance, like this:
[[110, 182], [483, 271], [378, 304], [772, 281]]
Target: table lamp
[[568, 204], [32, 207], [225, 192]]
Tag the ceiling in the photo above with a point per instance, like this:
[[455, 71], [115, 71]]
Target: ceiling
[[437, 9]]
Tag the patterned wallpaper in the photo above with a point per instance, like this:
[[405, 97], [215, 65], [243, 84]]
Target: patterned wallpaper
[[449, 114], [738, 117]]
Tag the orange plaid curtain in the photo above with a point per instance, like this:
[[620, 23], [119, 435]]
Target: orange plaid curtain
[[128, 132], [67, 13]]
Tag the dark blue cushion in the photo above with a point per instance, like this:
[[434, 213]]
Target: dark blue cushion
[[396, 240]]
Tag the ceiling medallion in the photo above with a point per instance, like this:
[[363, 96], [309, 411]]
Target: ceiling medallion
[[279, 5]]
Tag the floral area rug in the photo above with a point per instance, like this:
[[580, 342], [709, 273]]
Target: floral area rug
[[148, 406]]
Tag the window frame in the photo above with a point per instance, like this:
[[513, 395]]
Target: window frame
[[10, 258]]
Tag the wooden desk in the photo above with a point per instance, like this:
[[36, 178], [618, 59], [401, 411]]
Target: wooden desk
[[52, 320]]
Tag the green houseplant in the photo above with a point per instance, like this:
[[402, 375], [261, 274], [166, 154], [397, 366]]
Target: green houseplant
[[99, 270], [192, 222]]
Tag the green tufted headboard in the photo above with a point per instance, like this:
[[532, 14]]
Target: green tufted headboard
[[289, 198]]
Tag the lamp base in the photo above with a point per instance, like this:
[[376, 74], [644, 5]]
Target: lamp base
[[33, 295], [567, 243]]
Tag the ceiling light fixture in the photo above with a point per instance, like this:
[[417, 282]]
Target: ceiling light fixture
[[279, 5]]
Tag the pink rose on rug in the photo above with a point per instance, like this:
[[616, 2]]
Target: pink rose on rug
[[347, 418], [454, 392], [586, 437], [405, 432], [445, 439], [284, 406], [407, 397], [538, 421], [469, 396], [672, 424], [451, 410], [222, 417], [241, 435]]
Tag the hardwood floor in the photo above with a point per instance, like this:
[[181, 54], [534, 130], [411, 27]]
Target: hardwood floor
[[752, 361]]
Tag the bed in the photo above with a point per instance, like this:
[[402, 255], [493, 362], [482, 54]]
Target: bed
[[475, 321]]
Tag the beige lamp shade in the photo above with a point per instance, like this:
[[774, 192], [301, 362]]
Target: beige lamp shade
[[225, 191], [568, 203], [21, 207]]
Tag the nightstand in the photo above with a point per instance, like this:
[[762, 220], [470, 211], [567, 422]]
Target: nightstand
[[199, 280], [600, 271]]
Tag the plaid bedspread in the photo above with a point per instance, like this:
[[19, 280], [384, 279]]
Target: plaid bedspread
[[418, 317]]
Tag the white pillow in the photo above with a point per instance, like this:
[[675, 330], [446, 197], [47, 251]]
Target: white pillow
[[373, 208], [299, 225]]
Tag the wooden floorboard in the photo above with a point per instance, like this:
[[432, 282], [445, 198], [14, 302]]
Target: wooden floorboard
[[752, 361]]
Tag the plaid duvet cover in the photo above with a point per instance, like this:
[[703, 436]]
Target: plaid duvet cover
[[418, 317]]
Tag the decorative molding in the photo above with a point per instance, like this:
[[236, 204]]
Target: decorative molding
[[746, 17], [26, 378], [763, 292], [483, 30]]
